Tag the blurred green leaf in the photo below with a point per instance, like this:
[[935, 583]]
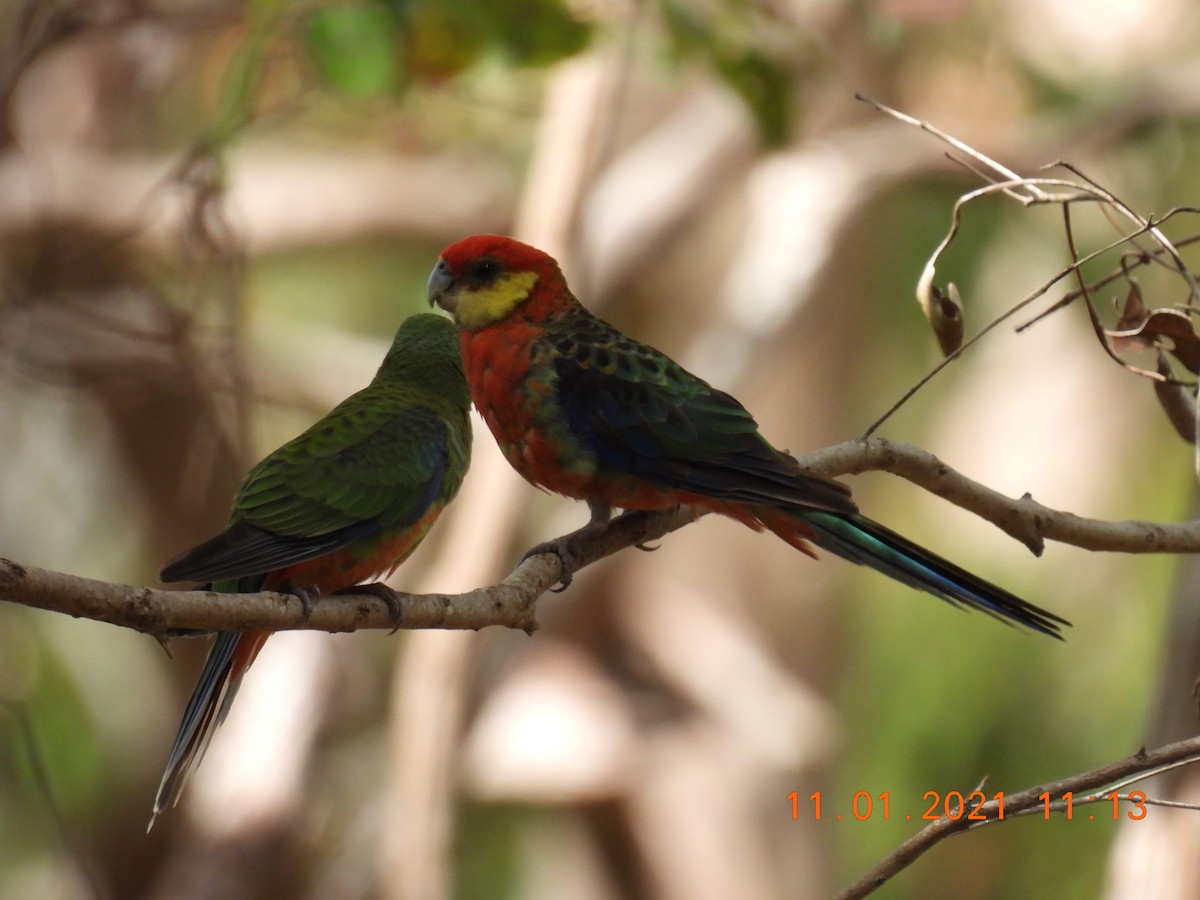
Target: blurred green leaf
[[767, 88], [688, 32], [530, 33], [488, 853], [354, 49], [534, 32], [50, 751], [374, 48], [735, 42], [439, 39]]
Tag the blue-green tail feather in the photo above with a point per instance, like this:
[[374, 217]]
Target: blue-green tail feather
[[860, 540]]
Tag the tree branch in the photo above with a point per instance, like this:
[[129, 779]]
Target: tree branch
[[1098, 782], [512, 602], [157, 612], [1023, 519]]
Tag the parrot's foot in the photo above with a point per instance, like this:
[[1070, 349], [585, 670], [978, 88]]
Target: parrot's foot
[[567, 550], [387, 595], [568, 558], [305, 593]]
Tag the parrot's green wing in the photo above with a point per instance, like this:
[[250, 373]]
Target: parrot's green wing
[[371, 464], [641, 413]]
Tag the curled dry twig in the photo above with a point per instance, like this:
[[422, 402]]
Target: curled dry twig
[[1065, 192], [1036, 294]]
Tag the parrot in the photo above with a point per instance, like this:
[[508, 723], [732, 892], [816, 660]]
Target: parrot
[[580, 409], [346, 501]]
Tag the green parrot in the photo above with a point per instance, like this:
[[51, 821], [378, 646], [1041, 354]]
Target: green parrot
[[346, 501]]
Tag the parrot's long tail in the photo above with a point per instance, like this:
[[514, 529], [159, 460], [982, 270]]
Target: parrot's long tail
[[231, 654], [860, 540]]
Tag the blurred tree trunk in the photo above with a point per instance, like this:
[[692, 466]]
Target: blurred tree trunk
[[1159, 856]]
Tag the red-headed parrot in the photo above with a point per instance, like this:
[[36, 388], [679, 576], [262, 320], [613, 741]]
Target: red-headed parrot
[[585, 411]]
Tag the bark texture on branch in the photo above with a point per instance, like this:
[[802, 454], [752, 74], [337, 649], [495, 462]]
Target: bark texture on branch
[[512, 602]]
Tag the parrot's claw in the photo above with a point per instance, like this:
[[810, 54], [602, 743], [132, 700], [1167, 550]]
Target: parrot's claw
[[646, 548], [568, 559], [306, 594], [566, 549], [387, 595]]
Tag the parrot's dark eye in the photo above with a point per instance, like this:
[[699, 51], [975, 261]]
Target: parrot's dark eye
[[484, 270]]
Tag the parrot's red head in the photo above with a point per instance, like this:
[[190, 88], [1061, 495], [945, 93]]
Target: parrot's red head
[[483, 279]]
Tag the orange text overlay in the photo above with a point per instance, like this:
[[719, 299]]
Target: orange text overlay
[[975, 806]]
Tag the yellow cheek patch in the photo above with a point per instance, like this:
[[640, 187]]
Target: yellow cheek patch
[[486, 306]]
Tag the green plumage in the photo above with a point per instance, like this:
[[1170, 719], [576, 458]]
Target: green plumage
[[347, 500], [379, 462], [635, 411]]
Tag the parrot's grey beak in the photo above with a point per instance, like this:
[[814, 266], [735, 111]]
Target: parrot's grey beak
[[437, 288]]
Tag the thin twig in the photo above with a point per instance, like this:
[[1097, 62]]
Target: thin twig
[[1031, 191], [1029, 298], [1031, 800], [1149, 224]]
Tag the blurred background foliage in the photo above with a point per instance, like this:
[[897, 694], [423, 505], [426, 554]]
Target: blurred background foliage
[[214, 214]]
